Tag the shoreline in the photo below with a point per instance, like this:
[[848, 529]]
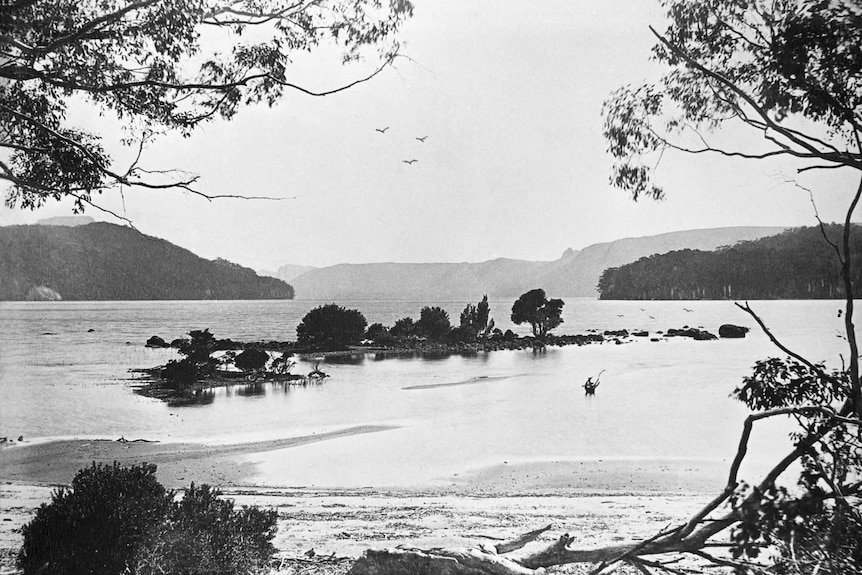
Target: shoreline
[[235, 466], [601, 500]]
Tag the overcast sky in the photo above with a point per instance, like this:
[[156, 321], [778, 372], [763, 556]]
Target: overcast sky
[[509, 95]]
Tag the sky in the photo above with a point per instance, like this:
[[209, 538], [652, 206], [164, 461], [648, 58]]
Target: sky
[[509, 95]]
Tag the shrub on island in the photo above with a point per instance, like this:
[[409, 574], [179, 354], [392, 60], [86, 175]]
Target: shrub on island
[[251, 359], [331, 327]]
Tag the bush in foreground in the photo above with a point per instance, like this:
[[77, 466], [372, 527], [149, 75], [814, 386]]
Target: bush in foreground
[[119, 520]]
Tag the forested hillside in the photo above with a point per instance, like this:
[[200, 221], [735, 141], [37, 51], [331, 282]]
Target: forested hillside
[[796, 264], [103, 261]]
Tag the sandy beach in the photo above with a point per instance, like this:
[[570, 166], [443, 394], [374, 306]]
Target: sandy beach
[[600, 501]]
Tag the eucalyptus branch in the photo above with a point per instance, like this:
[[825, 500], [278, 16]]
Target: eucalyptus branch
[[820, 223], [814, 367], [95, 23], [204, 86], [787, 133]]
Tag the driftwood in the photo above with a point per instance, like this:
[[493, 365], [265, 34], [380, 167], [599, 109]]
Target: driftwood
[[485, 560]]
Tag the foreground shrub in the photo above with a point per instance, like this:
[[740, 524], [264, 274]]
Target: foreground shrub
[[98, 525], [117, 520], [205, 534]]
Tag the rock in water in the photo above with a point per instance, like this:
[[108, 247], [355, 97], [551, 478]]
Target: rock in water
[[730, 331], [156, 341]]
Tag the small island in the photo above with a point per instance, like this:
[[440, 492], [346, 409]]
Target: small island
[[331, 331]]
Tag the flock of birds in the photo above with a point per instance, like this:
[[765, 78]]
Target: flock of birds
[[653, 317], [419, 138]]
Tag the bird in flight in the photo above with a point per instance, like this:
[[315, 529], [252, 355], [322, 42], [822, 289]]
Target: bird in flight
[[686, 309], [422, 139], [382, 130], [409, 161]]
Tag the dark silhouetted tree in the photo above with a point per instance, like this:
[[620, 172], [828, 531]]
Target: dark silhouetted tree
[[542, 314], [331, 326], [433, 322]]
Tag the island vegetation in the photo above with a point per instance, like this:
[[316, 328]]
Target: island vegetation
[[796, 264], [334, 333]]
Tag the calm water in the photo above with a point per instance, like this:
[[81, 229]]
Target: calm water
[[665, 399]]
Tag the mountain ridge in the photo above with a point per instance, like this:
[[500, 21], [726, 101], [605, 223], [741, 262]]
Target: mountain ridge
[[575, 273]]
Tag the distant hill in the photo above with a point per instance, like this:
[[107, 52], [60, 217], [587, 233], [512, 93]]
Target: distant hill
[[102, 261], [575, 274], [796, 264], [289, 271]]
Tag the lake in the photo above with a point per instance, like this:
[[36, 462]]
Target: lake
[[658, 400]]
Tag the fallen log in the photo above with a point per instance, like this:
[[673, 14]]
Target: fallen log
[[499, 560]]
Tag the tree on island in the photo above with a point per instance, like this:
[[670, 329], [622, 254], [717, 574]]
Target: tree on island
[[158, 67], [542, 314], [433, 322], [331, 326], [403, 328], [474, 319], [789, 73]]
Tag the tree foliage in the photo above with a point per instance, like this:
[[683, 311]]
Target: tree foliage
[[542, 314], [433, 322], [331, 326], [117, 520], [788, 71], [474, 319], [158, 66], [752, 63], [403, 328]]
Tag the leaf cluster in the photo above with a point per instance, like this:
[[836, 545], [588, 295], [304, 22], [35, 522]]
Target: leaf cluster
[[776, 383], [157, 65], [766, 66]]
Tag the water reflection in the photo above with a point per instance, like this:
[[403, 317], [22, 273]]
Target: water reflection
[[251, 390], [352, 359], [195, 398]]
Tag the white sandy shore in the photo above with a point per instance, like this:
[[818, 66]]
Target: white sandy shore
[[599, 501]]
